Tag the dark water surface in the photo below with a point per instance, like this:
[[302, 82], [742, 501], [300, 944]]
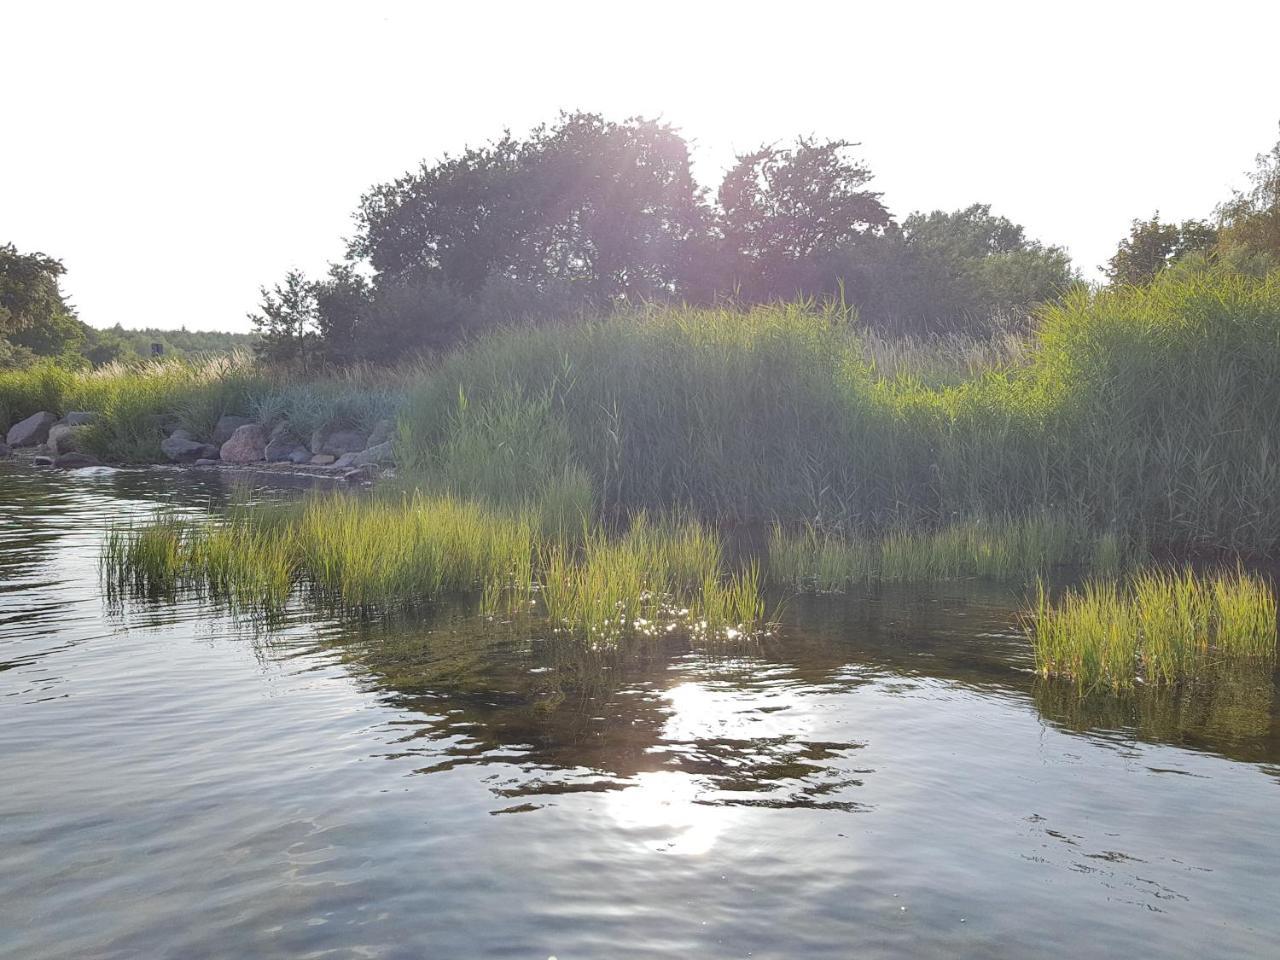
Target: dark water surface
[[882, 779]]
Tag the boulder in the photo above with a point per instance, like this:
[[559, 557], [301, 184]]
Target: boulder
[[227, 426], [5, 451], [80, 418], [300, 455], [32, 431], [338, 442], [383, 431], [62, 438], [323, 459], [248, 444], [284, 449], [75, 459], [41, 460], [182, 449], [373, 456]]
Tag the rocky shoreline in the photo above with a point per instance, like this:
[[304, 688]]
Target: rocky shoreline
[[236, 444]]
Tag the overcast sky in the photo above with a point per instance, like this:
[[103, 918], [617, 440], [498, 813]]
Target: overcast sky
[[177, 157]]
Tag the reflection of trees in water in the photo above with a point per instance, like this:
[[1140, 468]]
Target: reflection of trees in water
[[1231, 712]]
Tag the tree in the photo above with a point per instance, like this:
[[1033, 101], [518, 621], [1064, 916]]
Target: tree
[[1153, 246], [1249, 223], [780, 208], [609, 207], [288, 320]]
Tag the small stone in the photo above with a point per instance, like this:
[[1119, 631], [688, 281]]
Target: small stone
[[32, 431]]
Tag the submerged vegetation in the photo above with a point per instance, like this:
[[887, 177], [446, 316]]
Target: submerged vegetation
[[1162, 626]]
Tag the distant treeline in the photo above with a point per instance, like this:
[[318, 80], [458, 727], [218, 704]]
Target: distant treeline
[[587, 215], [36, 322]]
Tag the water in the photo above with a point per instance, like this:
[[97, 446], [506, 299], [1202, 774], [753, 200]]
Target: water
[[883, 779]]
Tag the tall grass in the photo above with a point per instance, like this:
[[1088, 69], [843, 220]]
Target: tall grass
[[1147, 412], [375, 555], [809, 558], [1163, 626]]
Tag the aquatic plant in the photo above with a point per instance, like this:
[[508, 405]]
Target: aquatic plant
[[374, 555], [1161, 626], [1007, 549]]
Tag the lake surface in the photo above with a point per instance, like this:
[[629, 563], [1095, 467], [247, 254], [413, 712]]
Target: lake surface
[[883, 778]]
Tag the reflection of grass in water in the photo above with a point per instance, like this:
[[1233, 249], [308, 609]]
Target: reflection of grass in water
[[379, 554], [1230, 702], [1004, 549], [1162, 626]]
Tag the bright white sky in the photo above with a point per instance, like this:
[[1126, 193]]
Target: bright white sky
[[176, 156]]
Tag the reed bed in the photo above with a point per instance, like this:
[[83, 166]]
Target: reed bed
[[810, 559], [381, 554], [1162, 626], [1147, 412]]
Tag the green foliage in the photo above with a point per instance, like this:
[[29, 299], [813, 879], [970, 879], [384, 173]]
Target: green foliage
[[1164, 626], [1006, 549], [781, 207], [1148, 412], [1152, 246], [384, 553]]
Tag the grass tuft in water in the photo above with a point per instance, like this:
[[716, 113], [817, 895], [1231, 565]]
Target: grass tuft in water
[[1163, 626]]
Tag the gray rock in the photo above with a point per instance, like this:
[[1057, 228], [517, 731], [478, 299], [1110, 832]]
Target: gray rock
[[31, 431], [248, 444], [338, 442], [346, 461], [63, 438], [383, 431], [185, 450], [41, 460], [285, 448], [207, 461], [80, 418], [5, 451], [75, 459], [382, 453], [323, 459], [227, 426], [300, 455]]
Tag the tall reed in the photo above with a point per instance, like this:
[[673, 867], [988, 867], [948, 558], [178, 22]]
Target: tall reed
[[1162, 626]]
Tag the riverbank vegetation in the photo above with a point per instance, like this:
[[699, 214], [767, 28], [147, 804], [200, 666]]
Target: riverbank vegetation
[[377, 555], [1159, 627]]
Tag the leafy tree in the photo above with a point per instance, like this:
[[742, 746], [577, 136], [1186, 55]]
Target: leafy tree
[[780, 208], [289, 319], [966, 270], [609, 207], [1153, 246], [29, 293], [1249, 223]]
